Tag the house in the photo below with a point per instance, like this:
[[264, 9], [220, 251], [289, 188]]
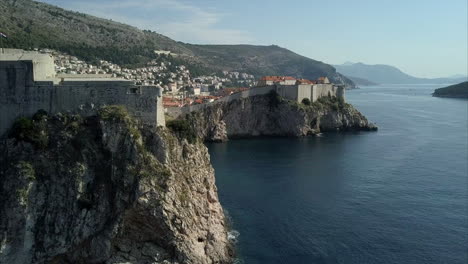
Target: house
[[281, 80], [172, 87]]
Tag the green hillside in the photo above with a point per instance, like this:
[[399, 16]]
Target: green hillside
[[31, 24]]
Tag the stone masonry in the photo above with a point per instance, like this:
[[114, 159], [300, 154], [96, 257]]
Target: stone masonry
[[28, 83]]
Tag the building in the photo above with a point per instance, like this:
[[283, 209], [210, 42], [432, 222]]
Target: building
[[280, 80], [301, 88], [172, 87], [196, 90], [28, 83]]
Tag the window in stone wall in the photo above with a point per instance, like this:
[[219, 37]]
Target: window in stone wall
[[135, 90]]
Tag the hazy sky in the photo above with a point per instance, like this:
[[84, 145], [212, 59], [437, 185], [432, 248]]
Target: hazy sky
[[425, 38]]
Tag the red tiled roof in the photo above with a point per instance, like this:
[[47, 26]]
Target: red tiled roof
[[171, 104], [277, 78], [305, 81]]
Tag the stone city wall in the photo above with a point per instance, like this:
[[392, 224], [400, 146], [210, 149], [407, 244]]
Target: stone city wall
[[20, 96], [291, 92]]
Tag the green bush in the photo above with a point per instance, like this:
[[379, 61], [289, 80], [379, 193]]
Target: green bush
[[182, 129], [39, 115], [114, 112], [22, 128], [306, 101], [26, 170], [34, 132], [119, 113]]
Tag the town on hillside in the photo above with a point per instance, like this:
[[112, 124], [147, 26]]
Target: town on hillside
[[180, 88]]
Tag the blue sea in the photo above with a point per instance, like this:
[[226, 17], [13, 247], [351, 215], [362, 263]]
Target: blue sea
[[399, 195]]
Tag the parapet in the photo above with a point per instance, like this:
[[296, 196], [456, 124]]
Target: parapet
[[43, 64]]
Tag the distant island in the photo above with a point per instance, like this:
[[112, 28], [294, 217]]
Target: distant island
[[386, 74], [453, 91]]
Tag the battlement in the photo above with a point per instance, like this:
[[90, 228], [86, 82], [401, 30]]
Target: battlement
[[27, 84]]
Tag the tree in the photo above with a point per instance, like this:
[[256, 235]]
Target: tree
[[306, 101]]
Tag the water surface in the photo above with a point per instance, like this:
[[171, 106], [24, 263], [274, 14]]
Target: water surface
[[399, 195]]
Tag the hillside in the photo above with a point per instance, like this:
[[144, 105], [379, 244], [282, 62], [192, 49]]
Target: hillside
[[456, 91], [30, 24], [361, 81], [387, 74]]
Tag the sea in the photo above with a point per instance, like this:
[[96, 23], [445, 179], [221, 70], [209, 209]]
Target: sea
[[399, 195]]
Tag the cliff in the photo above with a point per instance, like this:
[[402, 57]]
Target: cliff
[[453, 91], [105, 190], [271, 115]]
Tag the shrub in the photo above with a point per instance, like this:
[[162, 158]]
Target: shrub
[[306, 101], [26, 170], [119, 113], [114, 112], [182, 129], [22, 128], [39, 115], [341, 102], [34, 132]]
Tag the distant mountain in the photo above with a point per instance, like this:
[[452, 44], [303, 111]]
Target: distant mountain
[[456, 91], [361, 81], [31, 24], [457, 76], [386, 74]]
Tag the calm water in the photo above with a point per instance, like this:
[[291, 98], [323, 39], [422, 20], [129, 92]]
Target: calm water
[[399, 195]]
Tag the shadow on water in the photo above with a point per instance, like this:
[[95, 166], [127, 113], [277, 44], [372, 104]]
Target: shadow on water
[[398, 195]]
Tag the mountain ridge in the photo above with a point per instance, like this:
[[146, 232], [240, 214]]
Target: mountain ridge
[[387, 74]]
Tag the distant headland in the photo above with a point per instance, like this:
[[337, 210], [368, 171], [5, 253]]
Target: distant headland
[[453, 91]]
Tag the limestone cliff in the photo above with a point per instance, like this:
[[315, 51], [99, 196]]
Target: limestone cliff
[[105, 190], [271, 115]]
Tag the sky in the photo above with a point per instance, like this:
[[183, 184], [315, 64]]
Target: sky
[[424, 38]]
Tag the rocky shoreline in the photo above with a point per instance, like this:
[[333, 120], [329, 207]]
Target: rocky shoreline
[[105, 189], [271, 115]]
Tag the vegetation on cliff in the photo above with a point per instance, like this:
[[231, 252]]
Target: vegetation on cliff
[[272, 115]]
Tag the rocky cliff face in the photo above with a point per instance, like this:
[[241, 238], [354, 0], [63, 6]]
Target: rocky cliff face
[[103, 190], [270, 115]]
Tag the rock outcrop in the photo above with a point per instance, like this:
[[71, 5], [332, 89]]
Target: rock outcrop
[[270, 115], [105, 190]]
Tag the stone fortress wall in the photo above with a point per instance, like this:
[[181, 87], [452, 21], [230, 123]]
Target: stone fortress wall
[[292, 92], [28, 83]]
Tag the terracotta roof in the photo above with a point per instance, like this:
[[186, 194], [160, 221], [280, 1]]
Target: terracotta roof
[[305, 81], [171, 104], [277, 78]]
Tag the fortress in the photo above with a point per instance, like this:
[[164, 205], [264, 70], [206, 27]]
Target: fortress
[[287, 87], [28, 83]]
